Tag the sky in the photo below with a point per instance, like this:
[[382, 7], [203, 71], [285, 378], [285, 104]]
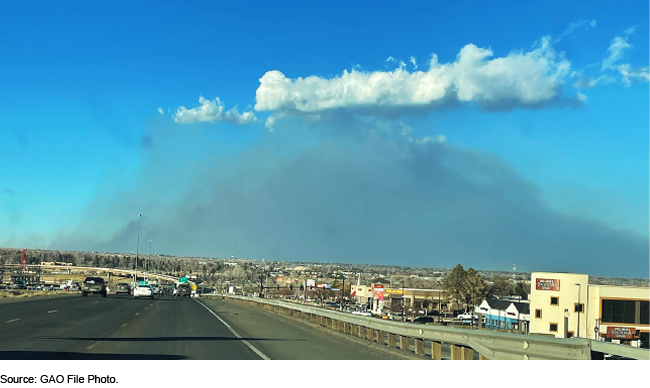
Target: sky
[[419, 133]]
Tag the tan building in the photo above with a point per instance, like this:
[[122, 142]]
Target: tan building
[[565, 304]]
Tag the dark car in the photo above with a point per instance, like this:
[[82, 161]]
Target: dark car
[[20, 285], [93, 285], [423, 320], [183, 289], [122, 288]]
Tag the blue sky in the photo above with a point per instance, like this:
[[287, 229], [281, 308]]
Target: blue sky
[[80, 86]]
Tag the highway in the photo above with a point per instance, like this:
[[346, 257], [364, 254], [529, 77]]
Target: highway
[[120, 327]]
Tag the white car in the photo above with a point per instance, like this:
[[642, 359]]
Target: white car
[[467, 317], [362, 313], [143, 290]]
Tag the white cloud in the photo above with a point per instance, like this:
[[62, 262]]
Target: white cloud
[[211, 111], [161, 111], [589, 82], [414, 62], [630, 76], [520, 79], [615, 51], [574, 26]]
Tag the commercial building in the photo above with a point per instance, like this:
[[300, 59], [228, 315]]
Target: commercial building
[[503, 314], [392, 297], [566, 305]]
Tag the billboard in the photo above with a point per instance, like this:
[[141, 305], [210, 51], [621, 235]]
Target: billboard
[[615, 332], [547, 284], [311, 283]]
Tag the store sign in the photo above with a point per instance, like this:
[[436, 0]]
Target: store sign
[[621, 332], [379, 291], [311, 282], [547, 284]]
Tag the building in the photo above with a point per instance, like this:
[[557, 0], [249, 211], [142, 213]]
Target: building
[[414, 298], [503, 314], [566, 305]]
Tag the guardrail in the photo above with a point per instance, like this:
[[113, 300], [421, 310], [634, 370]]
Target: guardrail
[[489, 345]]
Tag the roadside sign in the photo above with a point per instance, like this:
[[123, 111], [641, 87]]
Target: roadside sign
[[183, 279], [311, 283], [194, 287]]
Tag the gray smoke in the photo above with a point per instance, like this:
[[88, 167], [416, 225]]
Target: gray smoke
[[349, 194]]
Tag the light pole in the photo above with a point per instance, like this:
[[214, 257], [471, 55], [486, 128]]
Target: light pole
[[137, 249], [150, 250], [403, 302], [579, 309], [439, 304]]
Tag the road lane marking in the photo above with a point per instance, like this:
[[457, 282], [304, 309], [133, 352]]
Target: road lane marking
[[146, 308], [13, 320], [124, 325], [251, 347], [93, 345], [52, 311], [96, 301], [136, 314]]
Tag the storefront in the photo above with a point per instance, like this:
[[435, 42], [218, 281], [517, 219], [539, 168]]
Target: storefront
[[566, 305]]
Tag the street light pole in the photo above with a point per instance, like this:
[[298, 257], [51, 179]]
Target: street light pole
[[439, 304], [137, 249], [342, 293], [579, 308], [150, 250], [403, 302]]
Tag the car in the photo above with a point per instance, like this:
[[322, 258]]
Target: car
[[362, 313], [423, 320], [19, 285], [467, 317], [143, 290], [183, 289], [93, 285], [122, 288]]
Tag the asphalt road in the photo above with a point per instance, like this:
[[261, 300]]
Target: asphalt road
[[120, 327]]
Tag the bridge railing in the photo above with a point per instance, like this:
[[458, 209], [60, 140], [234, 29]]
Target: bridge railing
[[489, 345]]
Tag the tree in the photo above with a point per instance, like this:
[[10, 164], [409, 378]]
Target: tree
[[455, 284], [522, 290], [501, 287], [475, 288]]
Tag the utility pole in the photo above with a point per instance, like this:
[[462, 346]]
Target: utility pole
[[304, 292]]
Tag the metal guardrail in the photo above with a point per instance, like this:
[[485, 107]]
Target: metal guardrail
[[491, 345], [620, 350]]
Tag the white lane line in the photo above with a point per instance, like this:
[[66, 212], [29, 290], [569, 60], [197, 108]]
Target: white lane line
[[96, 301], [52, 311], [146, 308], [93, 345], [136, 314], [13, 320], [124, 325], [251, 347]]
